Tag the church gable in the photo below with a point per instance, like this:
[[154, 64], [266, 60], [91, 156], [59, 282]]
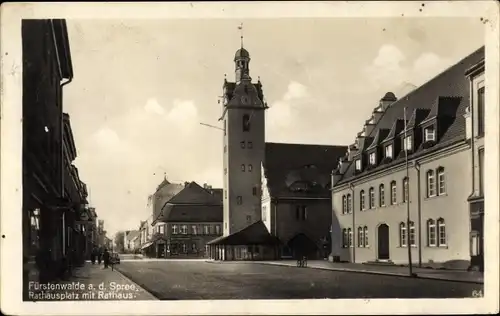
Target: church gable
[[192, 193]]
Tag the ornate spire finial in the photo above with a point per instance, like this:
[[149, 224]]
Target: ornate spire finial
[[165, 176], [241, 33]]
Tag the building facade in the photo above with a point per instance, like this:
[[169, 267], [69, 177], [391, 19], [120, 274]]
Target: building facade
[[475, 129], [243, 114], [53, 194], [187, 222], [412, 156], [296, 201]]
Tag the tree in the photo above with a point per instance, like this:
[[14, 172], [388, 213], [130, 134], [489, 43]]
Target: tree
[[119, 241]]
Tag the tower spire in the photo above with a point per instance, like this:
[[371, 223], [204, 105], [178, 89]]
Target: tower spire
[[241, 33]]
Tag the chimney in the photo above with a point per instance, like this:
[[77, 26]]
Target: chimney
[[205, 186], [388, 99], [368, 128], [360, 139], [186, 184], [351, 151]]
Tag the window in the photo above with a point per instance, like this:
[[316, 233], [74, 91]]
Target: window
[[474, 243], [250, 168], [481, 170], [184, 229], [372, 159], [405, 190], [408, 143], [381, 193], [345, 238], [193, 247], [358, 165], [361, 238], [194, 230], [402, 234], [393, 193], [184, 248], [300, 212], [249, 219], [388, 151], [480, 112], [174, 229], [225, 127], [264, 213], [217, 229], [206, 230], [349, 205], [243, 167], [250, 145], [365, 233], [412, 234], [239, 200], [246, 123], [242, 144], [225, 148], [344, 204], [431, 233], [441, 232], [225, 170], [431, 184], [441, 181], [162, 229], [429, 134], [362, 200], [349, 232], [254, 190], [371, 198], [225, 194]]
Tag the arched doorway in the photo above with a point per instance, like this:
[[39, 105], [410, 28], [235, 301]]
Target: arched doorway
[[383, 242], [301, 245]]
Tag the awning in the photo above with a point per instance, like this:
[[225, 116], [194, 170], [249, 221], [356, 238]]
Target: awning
[[255, 234], [146, 245]]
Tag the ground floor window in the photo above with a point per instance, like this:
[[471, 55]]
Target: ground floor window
[[474, 244]]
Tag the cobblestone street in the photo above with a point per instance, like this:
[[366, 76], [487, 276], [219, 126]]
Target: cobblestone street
[[176, 280]]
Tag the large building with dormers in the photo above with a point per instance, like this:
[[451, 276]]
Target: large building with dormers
[[440, 126]]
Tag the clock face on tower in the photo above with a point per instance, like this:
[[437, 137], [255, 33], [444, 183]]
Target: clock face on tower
[[245, 100]]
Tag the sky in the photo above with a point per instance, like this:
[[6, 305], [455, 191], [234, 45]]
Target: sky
[[141, 88]]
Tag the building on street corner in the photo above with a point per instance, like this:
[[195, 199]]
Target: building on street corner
[[372, 184], [187, 222]]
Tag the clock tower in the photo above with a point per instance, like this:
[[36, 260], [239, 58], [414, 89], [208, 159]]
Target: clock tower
[[243, 114]]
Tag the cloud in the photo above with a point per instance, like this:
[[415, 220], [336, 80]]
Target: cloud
[[284, 112], [391, 70], [152, 106], [183, 115]]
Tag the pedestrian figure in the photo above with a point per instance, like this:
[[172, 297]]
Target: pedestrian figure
[[93, 255], [99, 256], [106, 258]]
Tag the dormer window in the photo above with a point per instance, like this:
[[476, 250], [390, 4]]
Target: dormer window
[[358, 165], [388, 151], [408, 143], [373, 159], [429, 134]]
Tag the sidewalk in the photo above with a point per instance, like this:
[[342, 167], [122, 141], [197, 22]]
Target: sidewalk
[[449, 275], [92, 282]]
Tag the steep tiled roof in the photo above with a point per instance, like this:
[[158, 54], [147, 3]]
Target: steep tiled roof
[[132, 234], [442, 88], [191, 213], [417, 117], [193, 193], [254, 234], [379, 137], [286, 164]]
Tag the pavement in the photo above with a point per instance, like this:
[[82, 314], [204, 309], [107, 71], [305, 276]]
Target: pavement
[[194, 280], [90, 282], [436, 274]]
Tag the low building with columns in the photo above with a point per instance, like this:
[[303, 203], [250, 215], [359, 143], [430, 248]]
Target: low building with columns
[[413, 153]]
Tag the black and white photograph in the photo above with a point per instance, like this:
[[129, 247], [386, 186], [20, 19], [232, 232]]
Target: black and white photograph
[[250, 158]]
